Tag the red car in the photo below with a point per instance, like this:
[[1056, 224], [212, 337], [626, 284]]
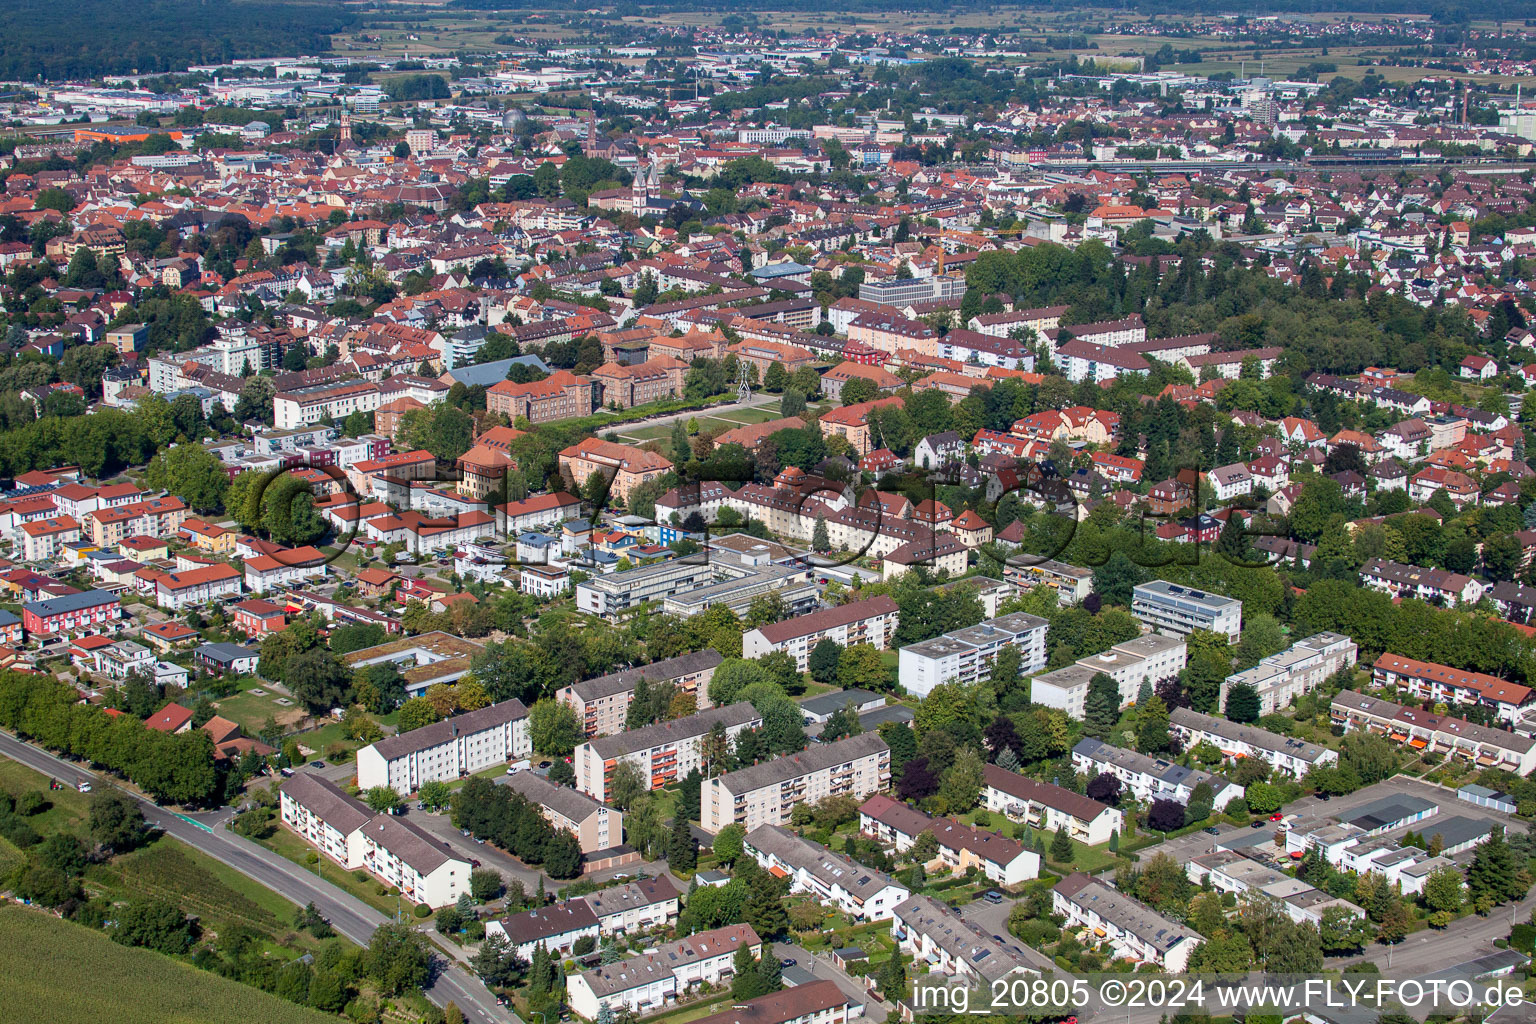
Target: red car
[[1277, 816]]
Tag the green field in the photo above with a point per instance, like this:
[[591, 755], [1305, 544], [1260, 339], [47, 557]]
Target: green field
[[70, 974]]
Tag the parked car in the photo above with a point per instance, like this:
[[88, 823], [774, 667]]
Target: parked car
[[1257, 824], [1213, 831], [992, 896]]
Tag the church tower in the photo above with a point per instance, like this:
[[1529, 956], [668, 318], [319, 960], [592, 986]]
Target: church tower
[[642, 188]]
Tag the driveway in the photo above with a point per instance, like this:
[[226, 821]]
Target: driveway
[[992, 918], [824, 970]]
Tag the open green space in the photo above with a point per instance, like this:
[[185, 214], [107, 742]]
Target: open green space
[[65, 973]]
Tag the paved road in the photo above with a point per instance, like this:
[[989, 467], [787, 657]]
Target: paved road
[[348, 915], [992, 918], [874, 1010]]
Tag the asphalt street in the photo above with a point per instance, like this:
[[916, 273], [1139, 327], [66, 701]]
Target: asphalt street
[[874, 1010], [350, 916]]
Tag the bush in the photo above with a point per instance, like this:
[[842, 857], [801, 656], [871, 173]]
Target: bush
[[422, 911], [32, 802], [584, 945]]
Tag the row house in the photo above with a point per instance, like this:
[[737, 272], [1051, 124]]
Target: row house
[[961, 847], [1436, 585], [1301, 668], [1048, 807], [1422, 730], [1150, 778], [1285, 754], [860, 892], [933, 932], [1429, 681], [663, 974], [1129, 928], [92, 611]]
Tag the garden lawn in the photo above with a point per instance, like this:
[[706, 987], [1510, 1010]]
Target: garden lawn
[[82, 977]]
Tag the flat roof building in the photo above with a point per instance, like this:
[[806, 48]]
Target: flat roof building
[[1173, 608]]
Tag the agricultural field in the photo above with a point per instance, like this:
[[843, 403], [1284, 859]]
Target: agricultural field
[[107, 981]]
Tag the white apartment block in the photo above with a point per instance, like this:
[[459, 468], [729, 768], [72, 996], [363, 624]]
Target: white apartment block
[[859, 622], [446, 750], [764, 794], [646, 983], [862, 893], [1150, 778], [1177, 609], [596, 826], [664, 752], [391, 849], [1301, 668], [966, 655], [309, 406], [1149, 658], [614, 595], [1042, 805], [1128, 927], [1286, 755]]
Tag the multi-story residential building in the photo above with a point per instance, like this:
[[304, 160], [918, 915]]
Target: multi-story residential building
[[1150, 778], [634, 906], [1285, 754], [1430, 681], [764, 794], [392, 849], [446, 750], [862, 893], [1082, 360], [556, 927], [966, 655], [1280, 678], [933, 932], [740, 587], [602, 704], [662, 974], [93, 611], [614, 595], [664, 752], [627, 386], [1149, 658], [871, 621], [1177, 609], [177, 590], [265, 573], [596, 826], [1438, 585], [42, 539], [961, 847], [535, 511], [624, 468], [1042, 805], [1003, 325], [560, 396], [851, 422], [1130, 928], [1423, 730], [1071, 584], [334, 402]]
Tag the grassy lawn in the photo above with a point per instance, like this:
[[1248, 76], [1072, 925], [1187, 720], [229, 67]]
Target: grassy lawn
[[68, 808], [251, 710], [83, 977], [298, 851]]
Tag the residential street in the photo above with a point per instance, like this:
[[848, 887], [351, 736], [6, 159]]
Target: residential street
[[349, 916], [874, 1010]]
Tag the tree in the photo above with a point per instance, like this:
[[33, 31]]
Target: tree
[[861, 666], [562, 854], [727, 845], [961, 785], [193, 474], [485, 884], [627, 785], [1152, 733], [383, 799], [746, 982], [1495, 875], [859, 389], [824, 660], [1242, 703], [768, 968], [1165, 816], [820, 540], [155, 924], [1443, 890], [416, 713], [1101, 706], [496, 963], [397, 959], [115, 822], [434, 794], [1342, 931], [1061, 846], [317, 679], [893, 977], [554, 728], [682, 848], [1105, 788], [1263, 798]]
